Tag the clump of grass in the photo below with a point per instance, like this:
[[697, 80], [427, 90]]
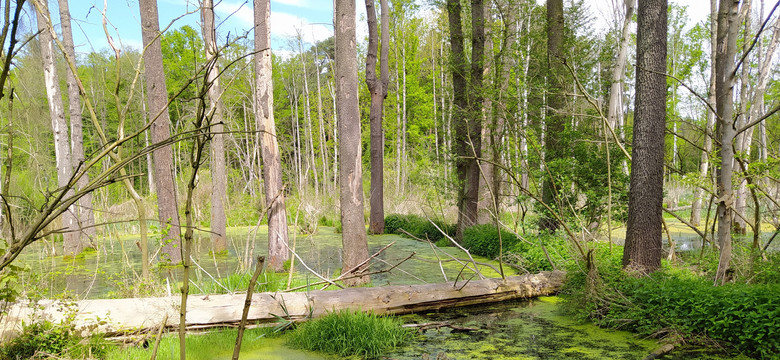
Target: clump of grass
[[350, 333]]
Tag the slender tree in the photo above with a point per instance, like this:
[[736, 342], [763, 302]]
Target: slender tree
[[378, 90], [158, 114], [62, 153], [218, 170], [272, 161], [728, 28], [86, 218], [642, 250], [354, 242]]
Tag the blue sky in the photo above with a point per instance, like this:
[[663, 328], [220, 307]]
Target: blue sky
[[312, 17]]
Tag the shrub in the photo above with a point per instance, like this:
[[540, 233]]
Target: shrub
[[532, 257], [350, 333], [483, 240], [677, 301], [418, 226], [43, 340]]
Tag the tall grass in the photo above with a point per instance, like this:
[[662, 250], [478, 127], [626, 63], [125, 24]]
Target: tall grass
[[350, 333]]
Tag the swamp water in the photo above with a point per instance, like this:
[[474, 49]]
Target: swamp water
[[530, 329]]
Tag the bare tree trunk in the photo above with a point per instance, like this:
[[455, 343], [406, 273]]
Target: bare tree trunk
[[468, 127], [321, 122], [72, 242], [378, 90], [642, 250], [218, 170], [486, 190], [524, 166], [272, 163], [398, 130], [163, 156], [149, 165], [86, 218], [307, 118], [404, 119], [728, 25], [354, 244], [704, 163], [741, 194]]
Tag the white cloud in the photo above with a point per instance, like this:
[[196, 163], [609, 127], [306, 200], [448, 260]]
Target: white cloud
[[296, 3]]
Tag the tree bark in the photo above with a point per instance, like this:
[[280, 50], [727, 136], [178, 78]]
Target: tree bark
[[467, 104], [354, 243], [728, 26], [615, 109], [378, 89], [554, 142], [218, 170], [72, 242], [158, 113], [86, 218], [642, 250], [272, 162]]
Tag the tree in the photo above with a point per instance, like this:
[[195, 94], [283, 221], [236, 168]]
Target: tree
[[86, 218], [555, 123], [642, 250], [218, 175], [728, 27], [354, 242], [272, 163], [158, 114], [72, 242], [378, 90], [467, 115]]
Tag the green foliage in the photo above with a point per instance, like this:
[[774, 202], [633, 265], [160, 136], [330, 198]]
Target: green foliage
[[418, 226], [530, 254], [42, 340], [350, 333], [676, 301], [484, 240]]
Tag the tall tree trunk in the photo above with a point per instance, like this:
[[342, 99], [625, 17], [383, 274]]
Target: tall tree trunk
[[72, 242], [554, 143], [272, 162], [398, 129], [378, 89], [404, 119], [468, 105], [615, 109], [86, 218], [485, 203], [354, 244], [728, 26], [307, 117], [642, 250], [524, 166], [704, 164], [163, 156], [743, 140], [218, 171], [321, 122]]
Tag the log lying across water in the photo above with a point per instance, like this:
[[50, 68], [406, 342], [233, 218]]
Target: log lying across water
[[122, 316]]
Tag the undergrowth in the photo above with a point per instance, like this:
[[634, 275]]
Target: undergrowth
[[350, 333], [680, 301], [418, 226]]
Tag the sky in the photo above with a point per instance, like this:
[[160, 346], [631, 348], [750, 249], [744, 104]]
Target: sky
[[313, 18]]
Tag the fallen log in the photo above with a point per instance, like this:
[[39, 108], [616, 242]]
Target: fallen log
[[139, 315]]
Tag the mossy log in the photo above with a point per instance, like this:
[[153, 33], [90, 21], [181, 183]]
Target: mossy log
[[140, 315]]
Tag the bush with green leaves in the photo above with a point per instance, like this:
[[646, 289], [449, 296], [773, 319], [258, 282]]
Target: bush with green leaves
[[484, 240], [44, 340], [350, 333], [418, 226], [532, 253], [675, 300]]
